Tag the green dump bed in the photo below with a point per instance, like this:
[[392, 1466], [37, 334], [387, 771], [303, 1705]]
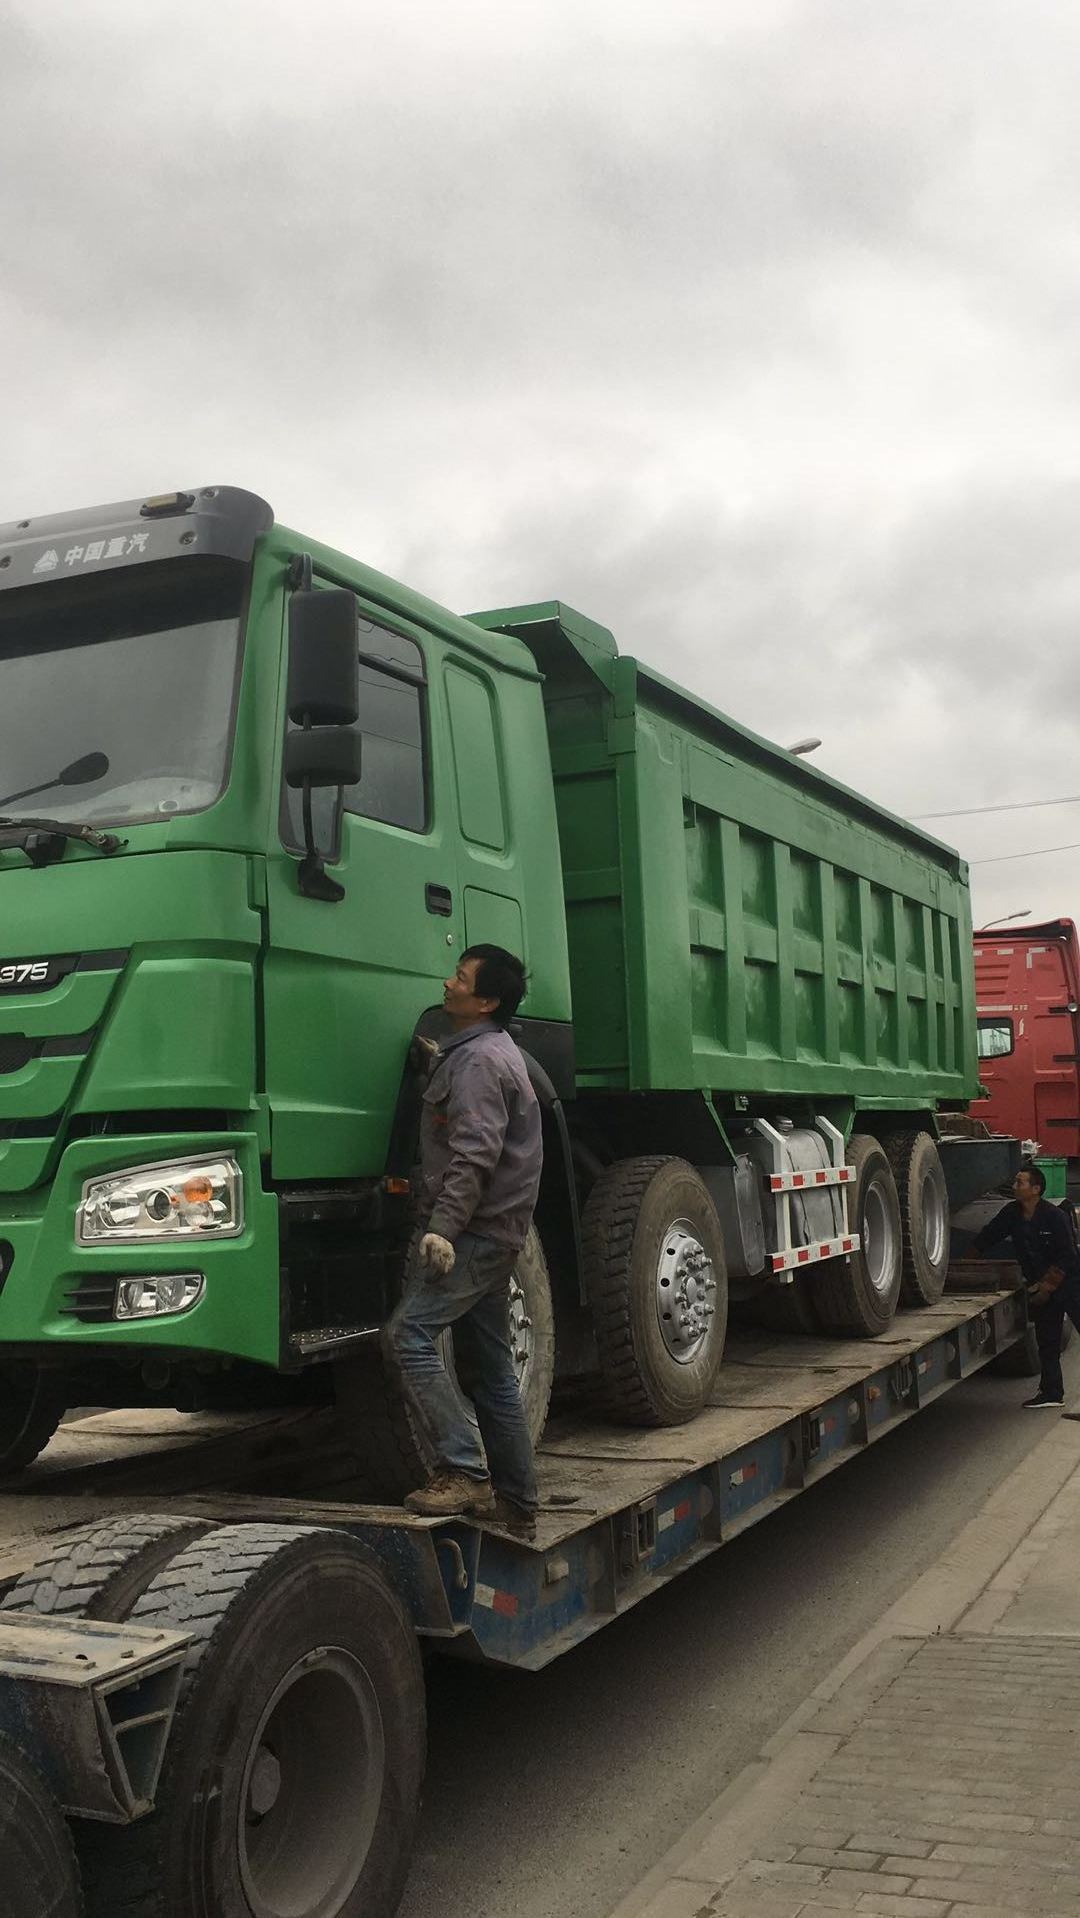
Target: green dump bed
[[737, 921]]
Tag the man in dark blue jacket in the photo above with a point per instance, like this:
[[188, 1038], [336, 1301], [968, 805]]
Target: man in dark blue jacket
[[1045, 1250]]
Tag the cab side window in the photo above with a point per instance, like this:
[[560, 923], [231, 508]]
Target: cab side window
[[392, 787]]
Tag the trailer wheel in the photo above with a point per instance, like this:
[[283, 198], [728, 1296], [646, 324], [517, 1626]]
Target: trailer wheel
[[99, 1570], [292, 1776], [31, 1408], [858, 1296], [391, 1456], [37, 1858], [657, 1282], [924, 1215]]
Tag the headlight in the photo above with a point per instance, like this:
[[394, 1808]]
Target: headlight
[[157, 1203]]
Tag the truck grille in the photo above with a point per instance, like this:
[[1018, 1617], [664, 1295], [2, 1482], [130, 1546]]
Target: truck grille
[[91, 1301]]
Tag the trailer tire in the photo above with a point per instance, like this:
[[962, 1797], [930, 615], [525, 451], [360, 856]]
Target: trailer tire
[[391, 1455], [924, 1215], [857, 1297], [641, 1216], [37, 1858], [100, 1570], [31, 1408], [292, 1775]]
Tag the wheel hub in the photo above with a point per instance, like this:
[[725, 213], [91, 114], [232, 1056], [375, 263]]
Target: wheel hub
[[878, 1240], [311, 1789], [685, 1291], [936, 1222]]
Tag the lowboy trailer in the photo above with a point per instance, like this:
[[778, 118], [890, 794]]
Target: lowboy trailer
[[211, 1692]]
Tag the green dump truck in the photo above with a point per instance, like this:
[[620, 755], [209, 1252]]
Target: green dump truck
[[256, 798]]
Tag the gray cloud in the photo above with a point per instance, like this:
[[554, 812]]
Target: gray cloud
[[749, 328]]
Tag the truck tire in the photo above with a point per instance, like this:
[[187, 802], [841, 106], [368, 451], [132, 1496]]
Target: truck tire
[[654, 1255], [292, 1776], [31, 1408], [37, 1858], [924, 1216], [857, 1296], [98, 1571], [391, 1456]]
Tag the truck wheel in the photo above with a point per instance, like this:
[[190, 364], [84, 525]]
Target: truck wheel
[[292, 1776], [858, 1296], [30, 1411], [98, 1571], [657, 1283], [924, 1216], [37, 1858], [391, 1456]]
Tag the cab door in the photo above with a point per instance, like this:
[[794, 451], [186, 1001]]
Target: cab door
[[346, 982]]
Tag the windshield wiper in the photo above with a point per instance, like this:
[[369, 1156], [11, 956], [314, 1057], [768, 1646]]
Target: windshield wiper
[[42, 840]]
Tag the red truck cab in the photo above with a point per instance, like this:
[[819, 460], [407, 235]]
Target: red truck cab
[[1027, 996]]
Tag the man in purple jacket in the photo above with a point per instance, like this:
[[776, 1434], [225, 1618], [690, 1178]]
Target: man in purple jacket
[[481, 1152]]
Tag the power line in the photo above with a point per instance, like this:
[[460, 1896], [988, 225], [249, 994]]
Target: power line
[[999, 858], [1012, 805]]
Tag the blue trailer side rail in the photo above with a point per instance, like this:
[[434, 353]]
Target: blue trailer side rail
[[779, 1430]]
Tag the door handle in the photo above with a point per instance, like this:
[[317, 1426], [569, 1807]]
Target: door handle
[[439, 899]]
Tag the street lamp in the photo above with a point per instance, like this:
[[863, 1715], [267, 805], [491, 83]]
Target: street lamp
[[804, 746], [1024, 913]]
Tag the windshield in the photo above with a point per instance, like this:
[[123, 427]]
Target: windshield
[[139, 668]]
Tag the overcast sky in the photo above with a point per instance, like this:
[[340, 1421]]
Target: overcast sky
[[749, 327]]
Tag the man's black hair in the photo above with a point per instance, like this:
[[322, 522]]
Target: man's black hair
[[1036, 1174], [499, 975]]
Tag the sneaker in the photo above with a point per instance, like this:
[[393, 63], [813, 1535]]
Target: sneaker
[[453, 1495], [518, 1520], [1040, 1403]]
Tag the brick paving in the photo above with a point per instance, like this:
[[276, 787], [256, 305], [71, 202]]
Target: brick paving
[[936, 1772], [954, 1793]]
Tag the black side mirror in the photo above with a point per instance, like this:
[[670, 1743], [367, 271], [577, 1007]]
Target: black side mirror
[[328, 757], [324, 676], [323, 701]]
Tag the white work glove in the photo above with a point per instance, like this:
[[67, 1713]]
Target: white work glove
[[437, 1252]]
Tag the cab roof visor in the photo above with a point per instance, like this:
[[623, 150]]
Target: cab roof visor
[[222, 520]]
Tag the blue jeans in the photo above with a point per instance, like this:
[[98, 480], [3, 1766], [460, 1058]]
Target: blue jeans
[[474, 1298], [1049, 1321]]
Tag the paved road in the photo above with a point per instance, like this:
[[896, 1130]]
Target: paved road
[[550, 1796]]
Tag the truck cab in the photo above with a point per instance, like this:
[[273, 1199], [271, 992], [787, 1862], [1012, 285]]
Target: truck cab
[[1027, 989], [205, 1010]]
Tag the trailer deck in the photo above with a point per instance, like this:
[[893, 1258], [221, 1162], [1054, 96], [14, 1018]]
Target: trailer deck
[[623, 1511]]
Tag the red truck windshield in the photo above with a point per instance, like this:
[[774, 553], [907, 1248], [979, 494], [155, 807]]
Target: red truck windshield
[[139, 667]]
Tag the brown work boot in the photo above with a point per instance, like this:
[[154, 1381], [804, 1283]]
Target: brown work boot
[[453, 1495], [518, 1520]]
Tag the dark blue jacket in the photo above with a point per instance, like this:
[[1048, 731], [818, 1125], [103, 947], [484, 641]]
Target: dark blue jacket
[[1043, 1245]]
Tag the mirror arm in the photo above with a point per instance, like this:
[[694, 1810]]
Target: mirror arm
[[312, 877]]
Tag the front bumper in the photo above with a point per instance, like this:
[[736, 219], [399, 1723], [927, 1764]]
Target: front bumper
[[239, 1313]]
